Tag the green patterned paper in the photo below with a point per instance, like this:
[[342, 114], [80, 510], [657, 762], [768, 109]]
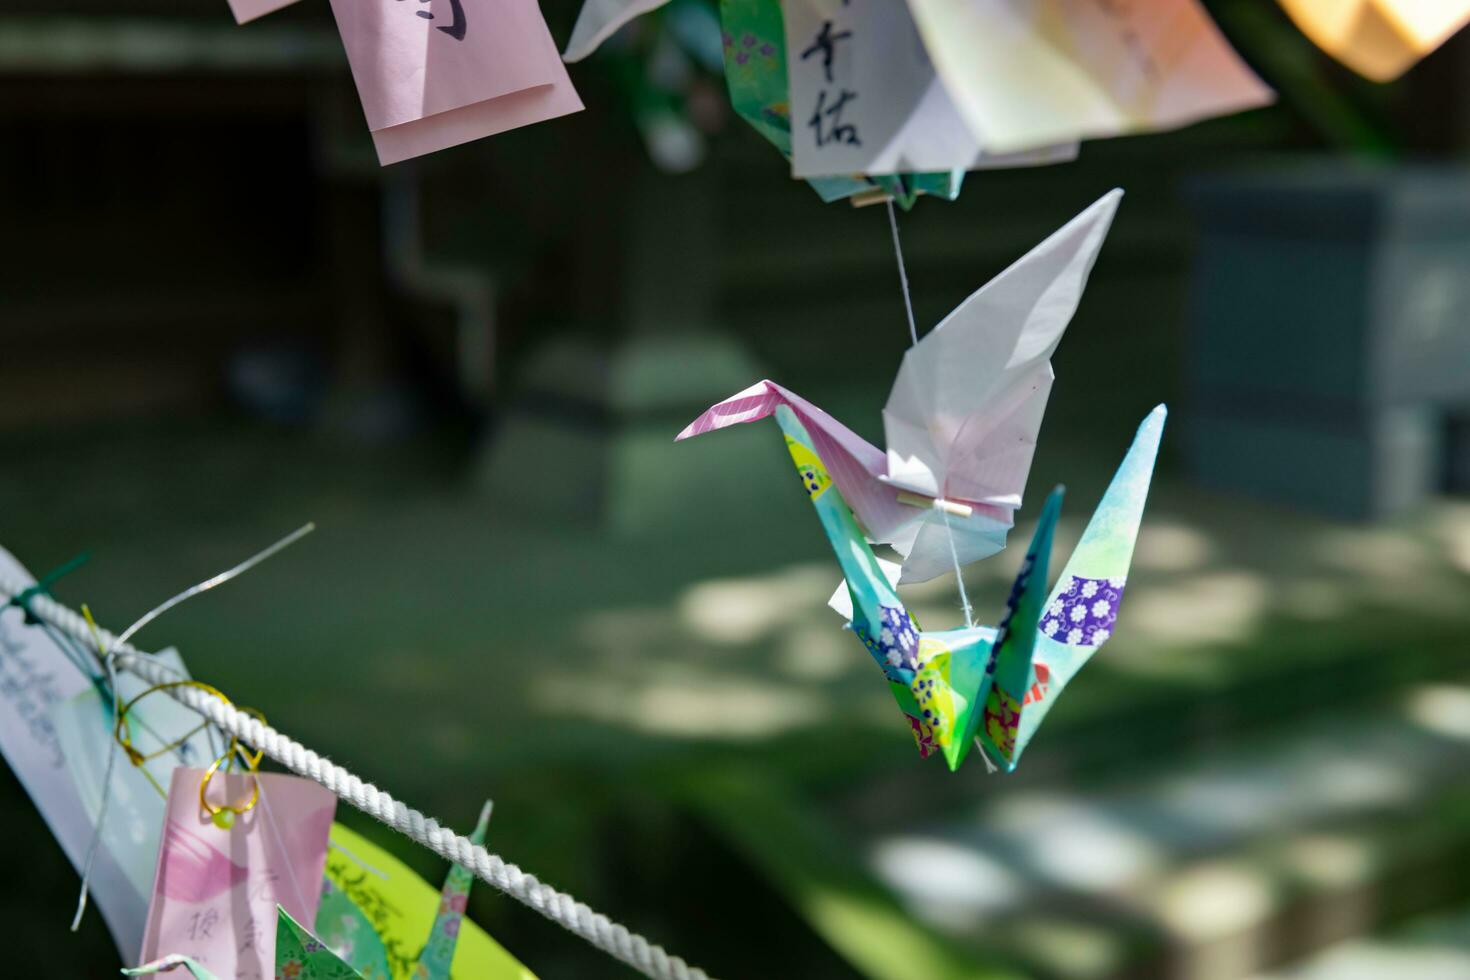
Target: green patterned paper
[[346, 929], [377, 892], [302, 956], [444, 936]]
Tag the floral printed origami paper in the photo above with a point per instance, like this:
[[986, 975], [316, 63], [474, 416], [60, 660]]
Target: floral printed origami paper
[[975, 684], [376, 914], [438, 952], [302, 956], [964, 413]]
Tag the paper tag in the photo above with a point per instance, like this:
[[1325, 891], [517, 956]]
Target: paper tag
[[36, 675], [215, 890], [1032, 73], [865, 98], [135, 805], [438, 73]]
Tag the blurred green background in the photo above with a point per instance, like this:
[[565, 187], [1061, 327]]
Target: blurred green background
[[219, 318]]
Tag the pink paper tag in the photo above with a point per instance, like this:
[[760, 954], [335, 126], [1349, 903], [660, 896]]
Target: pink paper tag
[[436, 73], [215, 891]]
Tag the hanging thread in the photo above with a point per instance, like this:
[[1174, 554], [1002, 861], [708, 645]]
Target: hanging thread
[[908, 306], [903, 275], [958, 577]]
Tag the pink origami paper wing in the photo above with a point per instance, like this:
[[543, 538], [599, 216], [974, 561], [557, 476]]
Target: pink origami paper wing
[[855, 464], [436, 73]]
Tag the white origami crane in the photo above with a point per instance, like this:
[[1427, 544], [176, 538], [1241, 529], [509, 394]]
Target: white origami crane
[[962, 419]]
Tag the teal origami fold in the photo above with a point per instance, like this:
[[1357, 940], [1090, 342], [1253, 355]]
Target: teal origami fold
[[346, 928], [978, 685], [386, 944], [302, 956], [438, 953]]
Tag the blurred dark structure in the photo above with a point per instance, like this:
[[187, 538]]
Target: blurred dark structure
[[1331, 334]]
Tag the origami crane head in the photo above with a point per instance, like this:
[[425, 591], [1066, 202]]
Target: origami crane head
[[976, 684]]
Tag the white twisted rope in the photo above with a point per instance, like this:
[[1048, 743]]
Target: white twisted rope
[[609, 936]]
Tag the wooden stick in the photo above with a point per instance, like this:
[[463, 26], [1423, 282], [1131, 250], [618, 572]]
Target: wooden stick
[[936, 503]]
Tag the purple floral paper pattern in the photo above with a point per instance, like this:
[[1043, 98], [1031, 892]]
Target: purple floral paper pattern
[[896, 646], [1084, 611]]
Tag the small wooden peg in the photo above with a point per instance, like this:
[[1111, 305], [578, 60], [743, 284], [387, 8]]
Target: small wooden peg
[[936, 503]]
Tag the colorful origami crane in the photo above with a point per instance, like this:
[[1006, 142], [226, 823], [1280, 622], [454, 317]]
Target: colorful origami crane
[[976, 684], [964, 413]]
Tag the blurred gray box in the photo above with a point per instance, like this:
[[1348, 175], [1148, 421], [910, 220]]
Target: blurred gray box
[[1330, 333]]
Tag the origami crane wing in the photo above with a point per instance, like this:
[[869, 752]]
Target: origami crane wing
[[1015, 646], [438, 954], [870, 592], [992, 687], [1079, 615], [854, 464], [350, 918], [936, 679], [599, 20], [965, 410], [302, 956], [343, 926]]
